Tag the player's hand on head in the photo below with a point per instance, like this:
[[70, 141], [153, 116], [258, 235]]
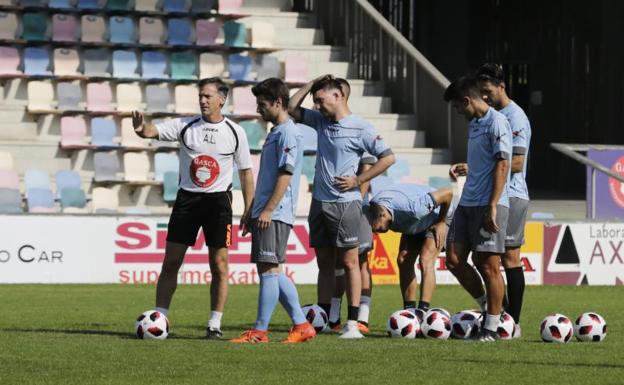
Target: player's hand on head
[[346, 183], [490, 224]]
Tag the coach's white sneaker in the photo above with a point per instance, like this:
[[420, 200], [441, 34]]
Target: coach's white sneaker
[[351, 331], [517, 331]]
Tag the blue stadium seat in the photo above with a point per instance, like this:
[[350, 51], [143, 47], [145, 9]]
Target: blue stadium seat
[[32, 3], [96, 62], [36, 61], [40, 200], [73, 197], [154, 65], [35, 26], [399, 169], [267, 67], [179, 32], [118, 5], [69, 96], [235, 34], [201, 6], [65, 4], [310, 138], [255, 134], [67, 179], [239, 67], [171, 185], [439, 182], [125, 64], [103, 133], [165, 162], [89, 4], [183, 65], [106, 167], [36, 179], [175, 6], [157, 98], [10, 201], [309, 167], [122, 30]]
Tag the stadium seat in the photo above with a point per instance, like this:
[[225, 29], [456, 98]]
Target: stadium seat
[[179, 32], [262, 35], [121, 30], [129, 97], [151, 30], [9, 179], [211, 64], [235, 34], [165, 162], [239, 67], [229, 6], [206, 32], [64, 27], [129, 138], [295, 69], [89, 4], [66, 62], [8, 26], [186, 101], [304, 198], [6, 161], [99, 97], [125, 64], [243, 101], [157, 98], [93, 29], [310, 138], [106, 167], [136, 167], [35, 26], [34, 178], [138, 211], [171, 185], [175, 6], [439, 182], [96, 62], [103, 132], [118, 5], [32, 3], [69, 96], [9, 61], [104, 200], [183, 66], [154, 65], [145, 5], [73, 200], [202, 6], [399, 169], [309, 167], [67, 179], [40, 96], [73, 132], [40, 200], [379, 182], [61, 4], [267, 67], [255, 134], [36, 61], [10, 201]]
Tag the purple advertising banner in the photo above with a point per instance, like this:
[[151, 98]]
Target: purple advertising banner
[[609, 193]]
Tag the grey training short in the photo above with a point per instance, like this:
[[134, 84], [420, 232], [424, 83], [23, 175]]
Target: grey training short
[[335, 224], [518, 209], [467, 228], [269, 245]]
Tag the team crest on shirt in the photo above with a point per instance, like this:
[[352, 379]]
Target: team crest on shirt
[[204, 170]]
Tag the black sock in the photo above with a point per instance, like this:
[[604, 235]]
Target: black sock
[[506, 301], [423, 305], [515, 289], [352, 313], [326, 307], [409, 304]]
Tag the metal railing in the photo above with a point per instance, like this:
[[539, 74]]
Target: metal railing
[[572, 150], [379, 52]]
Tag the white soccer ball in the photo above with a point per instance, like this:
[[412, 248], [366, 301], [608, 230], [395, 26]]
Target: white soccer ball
[[316, 316], [420, 316], [590, 327], [465, 324], [443, 311], [507, 327], [152, 325], [436, 325], [556, 328], [403, 324]]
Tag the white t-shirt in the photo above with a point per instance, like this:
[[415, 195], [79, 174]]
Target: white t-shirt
[[207, 151]]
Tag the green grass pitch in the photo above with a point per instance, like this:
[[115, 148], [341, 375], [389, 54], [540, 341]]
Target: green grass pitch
[[82, 334]]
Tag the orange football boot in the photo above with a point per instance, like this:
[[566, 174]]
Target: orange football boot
[[251, 336], [300, 333]]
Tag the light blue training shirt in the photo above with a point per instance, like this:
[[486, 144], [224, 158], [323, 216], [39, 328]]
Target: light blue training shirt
[[521, 133]]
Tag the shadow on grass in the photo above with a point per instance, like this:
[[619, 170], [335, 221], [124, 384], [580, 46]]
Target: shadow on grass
[[124, 335], [556, 364]]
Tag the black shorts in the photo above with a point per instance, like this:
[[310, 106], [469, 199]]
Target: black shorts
[[210, 211]]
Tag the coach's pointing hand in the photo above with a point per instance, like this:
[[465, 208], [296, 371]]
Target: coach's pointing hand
[[346, 183]]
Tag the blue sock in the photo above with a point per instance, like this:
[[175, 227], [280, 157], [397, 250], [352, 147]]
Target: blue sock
[[289, 298], [267, 299]]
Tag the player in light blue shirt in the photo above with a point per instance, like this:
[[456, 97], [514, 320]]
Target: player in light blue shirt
[[420, 214], [480, 221], [336, 212], [273, 214]]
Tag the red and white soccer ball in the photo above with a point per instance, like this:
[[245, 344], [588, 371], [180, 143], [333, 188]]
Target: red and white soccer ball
[[590, 327], [556, 328], [152, 325], [420, 316], [443, 311], [507, 327], [465, 324], [436, 325], [316, 316], [403, 324]]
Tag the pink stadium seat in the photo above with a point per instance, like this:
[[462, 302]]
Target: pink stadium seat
[[230, 6], [9, 61], [9, 179], [73, 132], [244, 102], [64, 27], [207, 32], [295, 69], [99, 97]]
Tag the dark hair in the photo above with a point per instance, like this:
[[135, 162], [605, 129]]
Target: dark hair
[[273, 89], [327, 83], [491, 72], [374, 211], [221, 86], [344, 86], [462, 87]]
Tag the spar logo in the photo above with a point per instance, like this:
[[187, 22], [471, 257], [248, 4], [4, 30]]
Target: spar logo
[[140, 242], [204, 170], [616, 188]]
